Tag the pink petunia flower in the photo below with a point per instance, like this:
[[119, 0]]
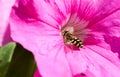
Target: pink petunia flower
[[5, 9], [39, 26]]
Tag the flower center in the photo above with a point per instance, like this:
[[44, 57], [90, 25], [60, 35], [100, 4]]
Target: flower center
[[74, 31], [70, 38]]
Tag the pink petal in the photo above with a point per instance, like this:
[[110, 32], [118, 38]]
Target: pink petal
[[85, 9], [114, 43], [54, 64], [50, 13], [110, 26], [101, 62], [76, 61], [38, 30], [5, 10], [104, 9], [94, 61], [64, 6], [46, 43], [37, 74], [108, 45]]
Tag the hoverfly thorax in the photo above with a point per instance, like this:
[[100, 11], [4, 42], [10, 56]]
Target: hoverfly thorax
[[67, 35]]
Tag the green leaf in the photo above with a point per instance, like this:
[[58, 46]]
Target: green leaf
[[6, 54], [22, 64], [15, 61]]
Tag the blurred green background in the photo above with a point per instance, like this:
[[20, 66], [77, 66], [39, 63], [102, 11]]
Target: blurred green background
[[15, 61]]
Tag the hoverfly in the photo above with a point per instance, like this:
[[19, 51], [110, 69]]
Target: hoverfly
[[69, 37]]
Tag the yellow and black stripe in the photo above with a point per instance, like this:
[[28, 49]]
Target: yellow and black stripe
[[77, 42]]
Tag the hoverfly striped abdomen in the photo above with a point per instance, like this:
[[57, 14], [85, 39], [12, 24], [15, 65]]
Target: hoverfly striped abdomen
[[77, 42], [68, 37]]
